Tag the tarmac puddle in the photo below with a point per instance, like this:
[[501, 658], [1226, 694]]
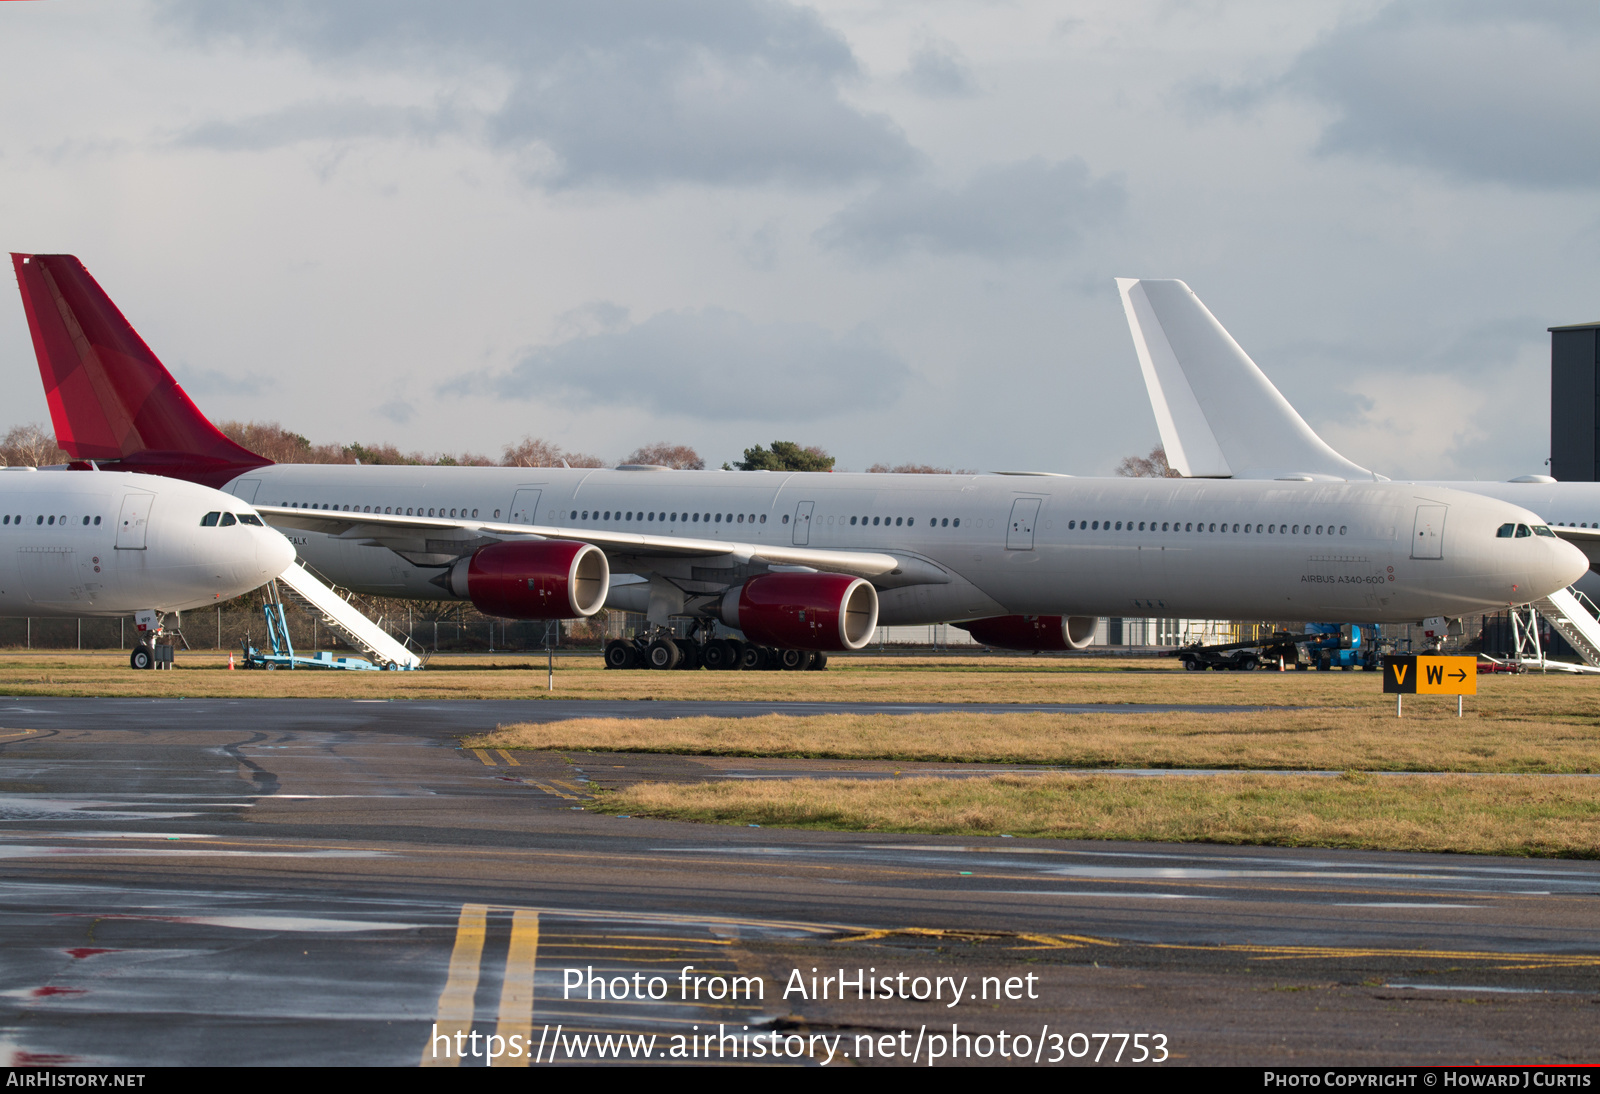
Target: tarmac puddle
[[29, 808]]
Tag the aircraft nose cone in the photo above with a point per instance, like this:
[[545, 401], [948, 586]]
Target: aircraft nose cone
[[1567, 565], [274, 552]]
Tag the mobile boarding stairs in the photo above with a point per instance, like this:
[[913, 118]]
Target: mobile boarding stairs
[[338, 615], [1571, 615]]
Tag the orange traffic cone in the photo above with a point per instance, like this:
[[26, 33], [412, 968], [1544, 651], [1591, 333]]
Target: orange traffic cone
[[230, 662]]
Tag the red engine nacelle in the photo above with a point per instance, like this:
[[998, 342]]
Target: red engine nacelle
[[804, 611], [1033, 632], [533, 579]]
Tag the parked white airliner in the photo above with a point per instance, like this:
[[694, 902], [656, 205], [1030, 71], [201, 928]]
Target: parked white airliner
[[801, 562], [111, 543], [1220, 417]]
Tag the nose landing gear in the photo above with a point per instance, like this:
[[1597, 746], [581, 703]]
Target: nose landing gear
[[153, 649]]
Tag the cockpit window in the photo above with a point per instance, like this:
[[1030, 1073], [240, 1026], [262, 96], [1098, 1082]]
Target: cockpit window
[[210, 520], [229, 520], [1542, 530], [250, 518], [1523, 530], [1505, 531]]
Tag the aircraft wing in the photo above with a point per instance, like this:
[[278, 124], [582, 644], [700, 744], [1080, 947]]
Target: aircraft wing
[[389, 530], [1219, 415]]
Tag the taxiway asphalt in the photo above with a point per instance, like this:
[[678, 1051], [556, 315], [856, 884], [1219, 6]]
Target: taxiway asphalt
[[318, 881]]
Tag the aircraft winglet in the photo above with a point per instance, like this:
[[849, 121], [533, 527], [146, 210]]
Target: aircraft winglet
[[1219, 416]]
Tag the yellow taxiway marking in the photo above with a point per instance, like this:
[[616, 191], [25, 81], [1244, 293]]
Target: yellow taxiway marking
[[455, 1002], [1294, 953], [568, 784], [516, 988], [1040, 941], [508, 757], [484, 756], [551, 787], [7, 734]]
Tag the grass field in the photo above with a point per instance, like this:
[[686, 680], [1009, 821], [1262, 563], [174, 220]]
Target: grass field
[[1322, 739], [1503, 815], [523, 676], [945, 679]]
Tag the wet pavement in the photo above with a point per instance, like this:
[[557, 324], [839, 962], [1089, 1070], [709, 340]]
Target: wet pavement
[[235, 882]]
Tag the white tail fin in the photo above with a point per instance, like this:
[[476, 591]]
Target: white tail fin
[[1219, 416]]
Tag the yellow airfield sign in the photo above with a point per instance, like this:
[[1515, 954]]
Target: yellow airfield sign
[[1426, 675]]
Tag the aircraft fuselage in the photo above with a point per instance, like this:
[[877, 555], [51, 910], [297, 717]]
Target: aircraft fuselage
[[86, 543], [998, 544]]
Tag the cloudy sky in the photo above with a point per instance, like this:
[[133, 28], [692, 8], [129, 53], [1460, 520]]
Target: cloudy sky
[[889, 229]]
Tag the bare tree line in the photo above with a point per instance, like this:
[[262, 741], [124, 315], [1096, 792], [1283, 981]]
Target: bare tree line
[[30, 445], [1153, 466], [34, 445], [916, 469]]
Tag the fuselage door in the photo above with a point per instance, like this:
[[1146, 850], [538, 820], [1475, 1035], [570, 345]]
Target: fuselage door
[[1024, 514], [802, 523], [134, 521], [1427, 538], [524, 506]]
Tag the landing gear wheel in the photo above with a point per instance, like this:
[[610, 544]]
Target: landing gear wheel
[[793, 660], [662, 654], [141, 658], [717, 656], [751, 657], [691, 655], [620, 654], [819, 661]]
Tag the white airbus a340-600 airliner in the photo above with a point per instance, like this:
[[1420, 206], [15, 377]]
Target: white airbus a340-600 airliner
[[106, 543], [801, 563]]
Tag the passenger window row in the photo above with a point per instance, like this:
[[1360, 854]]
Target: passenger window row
[[886, 521], [1202, 526], [894, 522], [669, 518], [7, 518], [392, 510]]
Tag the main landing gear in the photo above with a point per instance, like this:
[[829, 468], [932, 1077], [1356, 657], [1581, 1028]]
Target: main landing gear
[[662, 651]]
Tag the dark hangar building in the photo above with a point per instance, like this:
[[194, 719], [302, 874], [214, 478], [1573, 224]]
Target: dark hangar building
[[1575, 402]]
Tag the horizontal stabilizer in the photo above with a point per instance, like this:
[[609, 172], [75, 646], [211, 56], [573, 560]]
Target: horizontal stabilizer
[[1219, 416]]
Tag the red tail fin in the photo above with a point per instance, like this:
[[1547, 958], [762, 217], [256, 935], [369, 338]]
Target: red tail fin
[[110, 397]]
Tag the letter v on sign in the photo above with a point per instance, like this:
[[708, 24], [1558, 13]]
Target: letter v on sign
[[1400, 675]]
